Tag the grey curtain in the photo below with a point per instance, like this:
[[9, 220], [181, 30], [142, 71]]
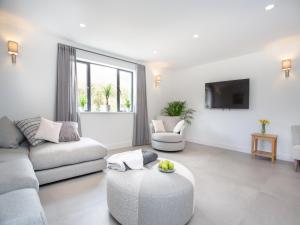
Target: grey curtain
[[140, 126], [67, 94]]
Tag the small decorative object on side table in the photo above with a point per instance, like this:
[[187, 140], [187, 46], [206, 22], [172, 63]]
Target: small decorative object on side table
[[264, 137], [264, 123]]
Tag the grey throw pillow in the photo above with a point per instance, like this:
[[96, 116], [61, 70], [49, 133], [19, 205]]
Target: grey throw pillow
[[10, 136], [69, 131], [29, 128]]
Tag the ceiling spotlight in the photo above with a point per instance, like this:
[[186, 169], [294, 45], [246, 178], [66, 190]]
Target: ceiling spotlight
[[154, 52], [269, 7], [195, 36], [82, 25]]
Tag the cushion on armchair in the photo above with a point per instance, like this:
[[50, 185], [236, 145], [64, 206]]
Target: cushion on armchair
[[169, 122], [158, 126], [178, 126]]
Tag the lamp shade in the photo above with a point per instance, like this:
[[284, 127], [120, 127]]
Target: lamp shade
[[157, 78], [12, 47], [286, 64]]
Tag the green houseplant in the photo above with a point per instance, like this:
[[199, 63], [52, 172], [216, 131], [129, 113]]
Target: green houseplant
[[83, 101], [127, 104], [108, 92], [179, 108]]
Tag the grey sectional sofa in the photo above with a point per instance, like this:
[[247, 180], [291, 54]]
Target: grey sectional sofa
[[22, 170]]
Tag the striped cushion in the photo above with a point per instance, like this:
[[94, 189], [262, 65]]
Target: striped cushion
[[29, 127]]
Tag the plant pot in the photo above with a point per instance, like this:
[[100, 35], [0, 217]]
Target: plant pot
[[105, 108]]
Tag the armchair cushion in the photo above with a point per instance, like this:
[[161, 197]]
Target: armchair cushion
[[167, 137], [169, 122], [158, 126], [178, 126]]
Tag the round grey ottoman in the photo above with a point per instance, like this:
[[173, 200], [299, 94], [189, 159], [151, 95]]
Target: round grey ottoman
[[149, 197]]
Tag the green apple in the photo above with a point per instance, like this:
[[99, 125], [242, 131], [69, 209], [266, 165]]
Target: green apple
[[171, 166], [160, 164], [164, 167]]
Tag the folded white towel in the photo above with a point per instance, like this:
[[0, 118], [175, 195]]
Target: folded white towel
[[133, 159]]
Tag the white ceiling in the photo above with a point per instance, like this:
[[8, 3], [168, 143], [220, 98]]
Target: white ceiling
[[135, 28]]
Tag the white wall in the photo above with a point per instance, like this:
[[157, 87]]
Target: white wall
[[271, 96], [28, 88]]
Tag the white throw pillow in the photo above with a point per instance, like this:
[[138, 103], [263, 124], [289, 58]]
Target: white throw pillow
[[48, 130], [178, 126], [158, 126]]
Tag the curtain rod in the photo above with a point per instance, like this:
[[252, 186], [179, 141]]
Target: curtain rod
[[112, 57]]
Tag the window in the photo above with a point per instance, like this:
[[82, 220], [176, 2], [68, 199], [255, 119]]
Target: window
[[103, 88]]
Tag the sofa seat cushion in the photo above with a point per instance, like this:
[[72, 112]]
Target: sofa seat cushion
[[51, 155], [17, 174], [167, 137], [8, 154], [21, 207]]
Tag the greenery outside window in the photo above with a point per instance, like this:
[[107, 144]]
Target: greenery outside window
[[104, 88]]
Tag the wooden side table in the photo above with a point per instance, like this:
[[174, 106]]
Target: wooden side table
[[264, 137]]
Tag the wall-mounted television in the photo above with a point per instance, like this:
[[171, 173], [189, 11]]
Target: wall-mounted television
[[232, 94]]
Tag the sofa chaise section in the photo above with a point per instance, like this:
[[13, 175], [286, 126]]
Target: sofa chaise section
[[53, 162], [21, 207]]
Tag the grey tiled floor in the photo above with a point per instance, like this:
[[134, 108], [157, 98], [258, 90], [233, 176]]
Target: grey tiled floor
[[231, 189]]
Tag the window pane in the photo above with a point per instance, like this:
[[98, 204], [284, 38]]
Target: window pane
[[125, 91], [103, 89], [82, 85]]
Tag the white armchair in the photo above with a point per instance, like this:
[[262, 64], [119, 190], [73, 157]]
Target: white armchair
[[168, 141], [296, 145]]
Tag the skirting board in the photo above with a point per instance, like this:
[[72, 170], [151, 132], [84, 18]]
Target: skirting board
[[285, 157]]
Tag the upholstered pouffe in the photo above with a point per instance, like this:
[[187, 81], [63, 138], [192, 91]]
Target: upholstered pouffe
[[150, 197]]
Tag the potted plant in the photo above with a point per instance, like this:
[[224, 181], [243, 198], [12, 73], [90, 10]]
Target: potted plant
[[127, 105], [83, 101], [179, 108], [108, 92]]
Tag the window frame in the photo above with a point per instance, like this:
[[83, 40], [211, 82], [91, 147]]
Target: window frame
[[88, 77]]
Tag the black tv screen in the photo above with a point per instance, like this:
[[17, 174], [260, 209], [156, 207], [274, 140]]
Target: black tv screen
[[233, 94]]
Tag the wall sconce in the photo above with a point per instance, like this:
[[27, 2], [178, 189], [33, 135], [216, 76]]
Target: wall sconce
[[157, 80], [12, 50], [286, 66]]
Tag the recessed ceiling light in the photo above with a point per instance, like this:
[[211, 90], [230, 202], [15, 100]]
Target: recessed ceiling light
[[82, 25], [195, 35], [269, 7], [154, 52]]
